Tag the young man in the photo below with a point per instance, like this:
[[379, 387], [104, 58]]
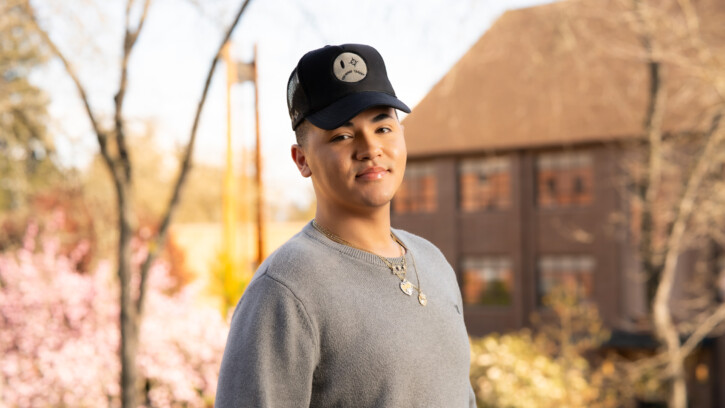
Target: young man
[[348, 312]]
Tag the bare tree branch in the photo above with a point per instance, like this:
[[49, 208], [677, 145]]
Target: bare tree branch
[[662, 315], [142, 20], [101, 135], [704, 53], [707, 326], [128, 43], [120, 167], [649, 188], [660, 263], [157, 243]]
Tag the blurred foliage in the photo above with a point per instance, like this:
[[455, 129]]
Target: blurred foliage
[[229, 276], [59, 340], [201, 203], [228, 280], [154, 171], [26, 150], [175, 257], [42, 207], [32, 185], [557, 365]]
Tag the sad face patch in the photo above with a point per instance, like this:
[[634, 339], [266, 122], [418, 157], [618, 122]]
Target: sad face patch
[[349, 67]]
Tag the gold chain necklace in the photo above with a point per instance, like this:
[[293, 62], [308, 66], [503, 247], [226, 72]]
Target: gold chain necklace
[[399, 270]]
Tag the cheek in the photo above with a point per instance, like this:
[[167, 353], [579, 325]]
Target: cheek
[[399, 157], [339, 168], [334, 172], [399, 154]]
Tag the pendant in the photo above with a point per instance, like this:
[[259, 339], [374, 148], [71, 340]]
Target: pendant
[[406, 287], [422, 299]]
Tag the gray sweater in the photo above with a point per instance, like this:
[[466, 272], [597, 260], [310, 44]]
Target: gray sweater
[[326, 325]]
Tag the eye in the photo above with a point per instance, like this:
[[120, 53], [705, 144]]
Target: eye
[[341, 137], [384, 129]]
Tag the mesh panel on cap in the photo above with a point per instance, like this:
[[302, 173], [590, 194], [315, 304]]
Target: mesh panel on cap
[[292, 85], [297, 102]]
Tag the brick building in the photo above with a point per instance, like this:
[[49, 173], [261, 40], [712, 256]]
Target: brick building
[[515, 170]]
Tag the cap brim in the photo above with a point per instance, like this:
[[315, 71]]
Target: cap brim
[[346, 108]]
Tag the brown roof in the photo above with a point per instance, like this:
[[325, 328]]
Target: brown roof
[[562, 73]]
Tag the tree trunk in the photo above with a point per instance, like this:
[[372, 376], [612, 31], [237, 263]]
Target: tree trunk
[[129, 319], [667, 332], [660, 274], [132, 301]]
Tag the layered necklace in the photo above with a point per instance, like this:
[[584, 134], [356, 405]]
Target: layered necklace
[[398, 269]]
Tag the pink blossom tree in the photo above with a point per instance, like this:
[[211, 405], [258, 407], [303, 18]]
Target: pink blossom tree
[[59, 333]]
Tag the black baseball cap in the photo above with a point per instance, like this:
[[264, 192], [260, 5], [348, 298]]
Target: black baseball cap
[[331, 85]]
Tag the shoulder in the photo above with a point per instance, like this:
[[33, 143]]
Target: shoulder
[[417, 242], [297, 249], [295, 261], [424, 251], [282, 283]]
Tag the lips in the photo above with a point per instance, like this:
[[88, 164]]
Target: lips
[[372, 173]]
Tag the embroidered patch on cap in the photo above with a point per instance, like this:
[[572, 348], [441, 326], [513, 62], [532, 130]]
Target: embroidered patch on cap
[[349, 67]]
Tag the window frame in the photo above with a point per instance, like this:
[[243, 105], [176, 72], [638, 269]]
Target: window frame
[[587, 267], [497, 171], [558, 173], [413, 190], [506, 265]]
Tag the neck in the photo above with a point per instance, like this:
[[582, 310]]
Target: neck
[[370, 231]]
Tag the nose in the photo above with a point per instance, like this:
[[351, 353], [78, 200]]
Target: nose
[[369, 146]]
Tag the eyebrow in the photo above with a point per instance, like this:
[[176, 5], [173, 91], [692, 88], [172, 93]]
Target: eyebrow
[[380, 117], [377, 118]]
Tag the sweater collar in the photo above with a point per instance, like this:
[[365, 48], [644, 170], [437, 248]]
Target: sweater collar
[[366, 256]]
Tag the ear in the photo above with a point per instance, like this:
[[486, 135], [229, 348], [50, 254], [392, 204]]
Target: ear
[[298, 155]]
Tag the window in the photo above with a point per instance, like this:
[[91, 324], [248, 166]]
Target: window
[[419, 191], [487, 281], [564, 179], [485, 183], [572, 272]]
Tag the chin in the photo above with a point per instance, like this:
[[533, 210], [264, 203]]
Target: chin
[[377, 200], [374, 195]]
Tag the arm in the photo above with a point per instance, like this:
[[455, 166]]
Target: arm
[[271, 352]]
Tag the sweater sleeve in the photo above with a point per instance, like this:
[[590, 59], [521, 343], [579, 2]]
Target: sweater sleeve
[[471, 397], [271, 352]]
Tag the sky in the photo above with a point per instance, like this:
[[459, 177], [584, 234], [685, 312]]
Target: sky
[[420, 41]]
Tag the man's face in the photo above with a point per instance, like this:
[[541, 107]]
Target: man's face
[[357, 166]]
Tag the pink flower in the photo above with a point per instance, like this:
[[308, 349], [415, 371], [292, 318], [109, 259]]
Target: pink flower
[[60, 337]]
